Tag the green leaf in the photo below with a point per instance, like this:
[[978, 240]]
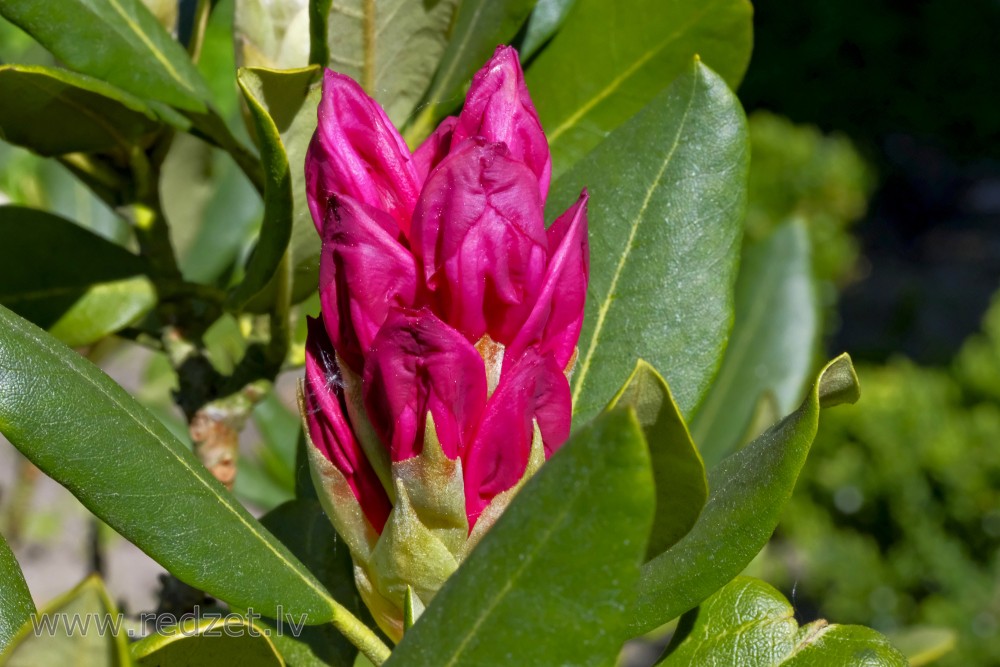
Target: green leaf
[[545, 20], [391, 47], [16, 605], [668, 191], [66, 279], [208, 643], [747, 493], [750, 623], [283, 105], [611, 58], [270, 34], [118, 41], [59, 112], [128, 469], [771, 349], [678, 472], [923, 645], [96, 640], [480, 25], [519, 599]]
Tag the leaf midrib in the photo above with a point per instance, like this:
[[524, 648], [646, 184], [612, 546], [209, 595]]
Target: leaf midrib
[[157, 54]]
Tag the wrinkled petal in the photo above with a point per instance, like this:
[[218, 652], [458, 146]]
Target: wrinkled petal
[[499, 109], [434, 149], [364, 271], [479, 232], [330, 431], [533, 388], [555, 321], [357, 152], [419, 365]]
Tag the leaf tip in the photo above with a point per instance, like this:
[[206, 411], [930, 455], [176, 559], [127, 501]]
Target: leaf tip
[[838, 383]]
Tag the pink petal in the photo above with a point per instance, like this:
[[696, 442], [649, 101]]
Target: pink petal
[[330, 431], [364, 271], [479, 232], [418, 364], [532, 388], [434, 149], [357, 152], [499, 109]]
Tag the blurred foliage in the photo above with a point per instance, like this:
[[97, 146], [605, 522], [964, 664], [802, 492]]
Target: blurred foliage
[[896, 519]]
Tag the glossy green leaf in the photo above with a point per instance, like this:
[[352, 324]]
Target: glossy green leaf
[[771, 349], [60, 112], [611, 58], [118, 41], [747, 492], [283, 105], [66, 279], [391, 47], [668, 191], [128, 469], [81, 628], [749, 623], [678, 472], [545, 20], [16, 605], [480, 25], [208, 643], [924, 645], [516, 600]]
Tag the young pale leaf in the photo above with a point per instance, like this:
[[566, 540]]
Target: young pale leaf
[[668, 190], [88, 434], [748, 622], [543, 23], [16, 605], [59, 112], [95, 638], [209, 643], [611, 58], [748, 490], [548, 583], [924, 645], [274, 35], [68, 280], [771, 348], [118, 41], [678, 472]]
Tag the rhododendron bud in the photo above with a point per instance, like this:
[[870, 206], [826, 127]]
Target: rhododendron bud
[[437, 376]]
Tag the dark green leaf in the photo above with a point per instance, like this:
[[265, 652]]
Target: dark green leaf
[[610, 58], [678, 472], [668, 191], [128, 469], [118, 41], [58, 112], [543, 23], [16, 605], [208, 643], [772, 345], [749, 623], [747, 493], [548, 583], [60, 276]]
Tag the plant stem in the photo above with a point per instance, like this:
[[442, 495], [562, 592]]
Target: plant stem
[[360, 635]]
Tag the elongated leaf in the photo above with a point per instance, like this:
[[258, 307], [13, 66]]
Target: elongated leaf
[[772, 345], [924, 645], [118, 41], [58, 112], [747, 493], [517, 600], [543, 23], [274, 35], [480, 25], [16, 605], [678, 472], [391, 47], [610, 58], [208, 643], [748, 622], [88, 434], [80, 628], [67, 279], [668, 190]]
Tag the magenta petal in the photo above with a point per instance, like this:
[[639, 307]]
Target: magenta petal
[[330, 431], [532, 388], [434, 149], [357, 152], [364, 271], [418, 364], [499, 109], [479, 232]]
